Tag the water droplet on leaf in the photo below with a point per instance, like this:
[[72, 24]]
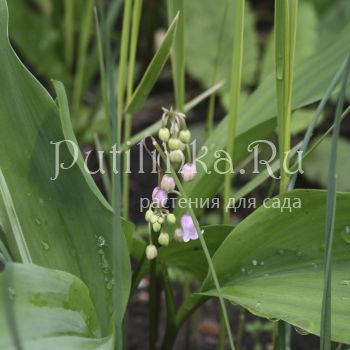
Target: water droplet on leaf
[[44, 245], [101, 242]]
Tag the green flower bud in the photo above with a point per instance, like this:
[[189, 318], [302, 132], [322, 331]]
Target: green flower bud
[[156, 227], [171, 218], [151, 252], [182, 146], [163, 239], [160, 220], [148, 215], [154, 219], [176, 156], [164, 134], [185, 136], [174, 143]]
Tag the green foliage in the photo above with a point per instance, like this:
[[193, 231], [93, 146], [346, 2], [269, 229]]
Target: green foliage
[[53, 310], [306, 41], [206, 34], [64, 222], [257, 116], [272, 263]]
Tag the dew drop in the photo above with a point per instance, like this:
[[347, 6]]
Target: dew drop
[[242, 269], [110, 284], [262, 263], [44, 245], [38, 221], [254, 262], [101, 242], [345, 234], [345, 282]]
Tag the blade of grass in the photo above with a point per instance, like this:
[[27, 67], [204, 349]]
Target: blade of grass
[[203, 244], [319, 110], [325, 333], [207, 93], [178, 54], [84, 36], [136, 16], [211, 106], [123, 62], [319, 141], [153, 70], [236, 77], [118, 262], [69, 30], [14, 222], [285, 37], [102, 74]]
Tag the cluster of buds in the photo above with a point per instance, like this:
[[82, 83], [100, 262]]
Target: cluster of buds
[[175, 139]]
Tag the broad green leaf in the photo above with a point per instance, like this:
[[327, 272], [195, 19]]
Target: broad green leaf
[[257, 117], [52, 309], [206, 29], [153, 70], [272, 263], [315, 166], [65, 225]]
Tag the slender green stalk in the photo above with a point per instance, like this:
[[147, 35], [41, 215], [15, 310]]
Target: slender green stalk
[[325, 333], [203, 244], [178, 55], [236, 76], [69, 31], [153, 309], [136, 16], [123, 61], [102, 75], [117, 234], [85, 32], [211, 106], [285, 37]]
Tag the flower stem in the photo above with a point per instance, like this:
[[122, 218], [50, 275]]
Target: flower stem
[[203, 243]]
